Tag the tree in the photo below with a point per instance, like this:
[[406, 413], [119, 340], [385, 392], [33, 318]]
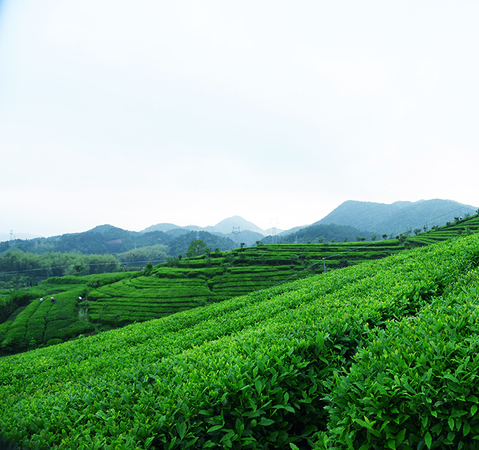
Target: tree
[[417, 231], [154, 253], [385, 236], [172, 261], [148, 269], [196, 248]]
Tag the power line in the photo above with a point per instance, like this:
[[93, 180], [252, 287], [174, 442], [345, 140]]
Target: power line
[[324, 262], [86, 264]]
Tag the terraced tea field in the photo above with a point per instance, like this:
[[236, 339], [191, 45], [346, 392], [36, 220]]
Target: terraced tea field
[[461, 227], [220, 276], [44, 323]]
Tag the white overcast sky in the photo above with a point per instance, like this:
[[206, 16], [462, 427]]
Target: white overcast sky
[[137, 113]]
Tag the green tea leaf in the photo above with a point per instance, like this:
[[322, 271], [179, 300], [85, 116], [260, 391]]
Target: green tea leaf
[[182, 429], [428, 439], [466, 428], [214, 428], [450, 422], [392, 444], [400, 437], [473, 410], [266, 422], [259, 386]]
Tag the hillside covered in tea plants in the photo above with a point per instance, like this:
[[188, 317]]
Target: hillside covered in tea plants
[[91, 304], [94, 303], [382, 354]]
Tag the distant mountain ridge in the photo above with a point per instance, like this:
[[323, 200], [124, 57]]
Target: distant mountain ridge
[[396, 217], [226, 226], [372, 218], [6, 237]]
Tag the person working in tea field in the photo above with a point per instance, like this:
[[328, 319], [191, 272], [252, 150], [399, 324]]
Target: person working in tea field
[[53, 300]]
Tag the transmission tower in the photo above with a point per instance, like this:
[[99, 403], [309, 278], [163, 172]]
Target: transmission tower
[[273, 236], [236, 232]]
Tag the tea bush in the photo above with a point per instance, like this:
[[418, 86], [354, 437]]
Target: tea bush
[[414, 384]]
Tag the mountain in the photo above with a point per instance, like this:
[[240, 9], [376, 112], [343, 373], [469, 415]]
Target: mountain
[[396, 217], [160, 227], [361, 215], [374, 218], [325, 233], [292, 230], [247, 237], [225, 227], [107, 239], [6, 237]]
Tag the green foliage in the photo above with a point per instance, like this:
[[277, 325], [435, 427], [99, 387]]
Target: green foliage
[[324, 233], [24, 319], [196, 248], [466, 226], [415, 384], [271, 369], [38, 267], [155, 253], [172, 261]]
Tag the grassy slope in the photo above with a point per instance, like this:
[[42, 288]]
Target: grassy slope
[[258, 371]]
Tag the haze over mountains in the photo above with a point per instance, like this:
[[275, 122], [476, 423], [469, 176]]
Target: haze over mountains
[[355, 217], [373, 217], [226, 226], [397, 217]]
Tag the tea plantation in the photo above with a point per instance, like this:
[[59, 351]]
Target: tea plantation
[[382, 354], [457, 228], [27, 322], [220, 276], [114, 300]]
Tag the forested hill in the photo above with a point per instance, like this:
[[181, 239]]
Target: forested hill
[[324, 233], [106, 239], [397, 217]]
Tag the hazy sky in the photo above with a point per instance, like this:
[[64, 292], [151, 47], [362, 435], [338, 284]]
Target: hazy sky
[[136, 113]]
